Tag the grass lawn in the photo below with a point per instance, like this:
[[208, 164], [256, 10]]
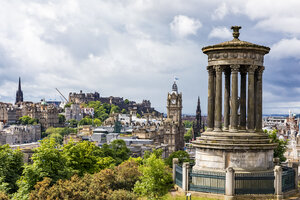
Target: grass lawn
[[182, 197]]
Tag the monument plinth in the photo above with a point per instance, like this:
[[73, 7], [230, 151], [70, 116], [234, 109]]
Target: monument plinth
[[239, 141]]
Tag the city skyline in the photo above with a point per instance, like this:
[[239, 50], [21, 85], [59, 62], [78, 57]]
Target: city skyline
[[135, 51]]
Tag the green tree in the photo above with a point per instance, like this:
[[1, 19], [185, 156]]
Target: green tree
[[114, 109], [182, 156], [121, 152], [48, 161], [62, 131], [72, 123], [86, 121], [97, 122], [11, 167], [85, 157], [61, 118], [126, 101], [138, 115], [58, 137], [123, 111], [26, 120], [281, 147], [188, 124], [156, 179], [188, 135]]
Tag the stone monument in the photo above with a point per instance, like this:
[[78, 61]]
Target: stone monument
[[239, 141]]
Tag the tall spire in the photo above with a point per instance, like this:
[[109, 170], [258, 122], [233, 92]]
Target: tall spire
[[197, 124], [19, 88], [19, 93]]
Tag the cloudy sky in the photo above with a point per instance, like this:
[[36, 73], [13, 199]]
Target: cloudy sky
[[134, 48]]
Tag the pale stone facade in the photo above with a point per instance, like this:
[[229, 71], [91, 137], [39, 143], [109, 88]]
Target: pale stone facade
[[19, 134]]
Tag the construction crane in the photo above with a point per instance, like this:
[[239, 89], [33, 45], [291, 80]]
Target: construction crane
[[62, 95]]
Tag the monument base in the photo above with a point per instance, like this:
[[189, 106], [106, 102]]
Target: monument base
[[243, 151]]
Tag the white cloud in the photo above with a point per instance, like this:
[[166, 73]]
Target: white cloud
[[184, 26], [220, 32], [286, 48], [220, 12]]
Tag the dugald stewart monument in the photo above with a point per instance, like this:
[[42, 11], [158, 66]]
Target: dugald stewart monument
[[240, 143]]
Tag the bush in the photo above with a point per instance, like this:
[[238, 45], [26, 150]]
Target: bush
[[122, 195]]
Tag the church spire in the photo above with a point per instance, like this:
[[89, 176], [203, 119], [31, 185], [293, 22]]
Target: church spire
[[19, 88], [19, 93]]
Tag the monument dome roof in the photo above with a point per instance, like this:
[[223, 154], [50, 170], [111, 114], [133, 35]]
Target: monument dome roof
[[236, 44]]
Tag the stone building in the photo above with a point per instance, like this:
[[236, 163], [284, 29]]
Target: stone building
[[73, 112], [19, 134], [7, 113], [141, 108], [83, 97], [46, 114]]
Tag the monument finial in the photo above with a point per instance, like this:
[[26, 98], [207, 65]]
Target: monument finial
[[236, 33]]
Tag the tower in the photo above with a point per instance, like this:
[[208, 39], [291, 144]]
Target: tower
[[173, 126], [174, 104], [198, 122], [19, 93]]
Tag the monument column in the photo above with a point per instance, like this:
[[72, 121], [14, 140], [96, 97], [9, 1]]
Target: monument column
[[234, 98], [243, 100], [226, 100], [218, 99], [259, 99], [210, 101], [251, 96]]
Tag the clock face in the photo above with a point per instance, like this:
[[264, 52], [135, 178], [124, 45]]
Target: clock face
[[173, 101]]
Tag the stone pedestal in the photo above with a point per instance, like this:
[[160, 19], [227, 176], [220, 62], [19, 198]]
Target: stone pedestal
[[248, 152]]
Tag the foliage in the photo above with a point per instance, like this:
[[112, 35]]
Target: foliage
[[97, 122], [122, 195], [26, 120], [102, 111], [58, 137], [188, 135], [120, 150], [182, 156], [138, 115], [114, 109], [188, 124], [11, 167], [126, 101], [61, 118], [47, 162], [123, 111], [281, 147], [86, 121], [3, 196], [115, 183], [156, 179], [72, 123], [68, 105], [126, 175], [85, 157], [61, 131]]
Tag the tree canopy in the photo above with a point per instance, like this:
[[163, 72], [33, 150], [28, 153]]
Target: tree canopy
[[182, 156], [156, 179], [26, 120], [11, 167], [281, 147]]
